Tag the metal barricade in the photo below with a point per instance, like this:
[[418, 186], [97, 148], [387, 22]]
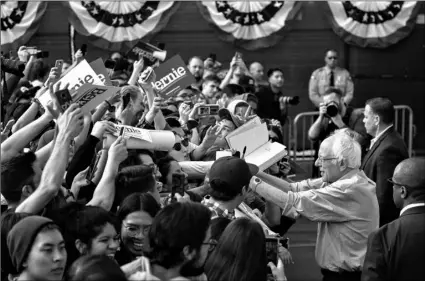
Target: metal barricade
[[299, 145], [403, 123]]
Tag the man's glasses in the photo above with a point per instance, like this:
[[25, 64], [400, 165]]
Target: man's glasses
[[390, 180], [178, 146], [321, 160]]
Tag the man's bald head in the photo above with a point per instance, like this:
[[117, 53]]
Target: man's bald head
[[257, 71], [411, 172]]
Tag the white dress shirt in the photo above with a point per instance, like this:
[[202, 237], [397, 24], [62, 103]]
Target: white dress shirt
[[372, 141], [411, 206]]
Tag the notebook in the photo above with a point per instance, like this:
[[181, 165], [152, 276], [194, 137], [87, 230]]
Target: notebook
[[254, 140]]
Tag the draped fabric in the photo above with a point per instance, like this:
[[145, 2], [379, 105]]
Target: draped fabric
[[376, 24], [250, 24], [19, 21], [117, 26]]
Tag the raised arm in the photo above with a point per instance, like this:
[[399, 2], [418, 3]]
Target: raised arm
[[69, 124], [104, 193]]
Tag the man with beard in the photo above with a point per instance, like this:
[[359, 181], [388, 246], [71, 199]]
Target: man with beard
[[196, 67], [179, 241]]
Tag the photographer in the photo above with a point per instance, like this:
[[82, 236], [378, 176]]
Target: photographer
[[336, 115], [272, 103]]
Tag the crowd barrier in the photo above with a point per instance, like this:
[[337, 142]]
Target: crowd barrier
[[301, 148]]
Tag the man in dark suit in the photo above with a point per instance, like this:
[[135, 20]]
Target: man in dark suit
[[387, 150], [396, 251]]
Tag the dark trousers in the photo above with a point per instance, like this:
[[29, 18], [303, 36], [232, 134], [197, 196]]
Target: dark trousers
[[341, 276]]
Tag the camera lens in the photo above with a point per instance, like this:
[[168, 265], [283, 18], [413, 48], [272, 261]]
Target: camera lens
[[332, 109]]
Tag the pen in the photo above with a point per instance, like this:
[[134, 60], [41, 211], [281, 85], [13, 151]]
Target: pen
[[243, 153]]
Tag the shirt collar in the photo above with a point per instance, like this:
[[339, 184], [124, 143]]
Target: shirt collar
[[411, 206], [372, 141]]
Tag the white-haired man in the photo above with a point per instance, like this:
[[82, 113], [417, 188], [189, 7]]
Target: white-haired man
[[342, 201]]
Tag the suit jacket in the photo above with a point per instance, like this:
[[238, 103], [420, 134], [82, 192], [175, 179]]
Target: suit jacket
[[396, 251], [379, 164]]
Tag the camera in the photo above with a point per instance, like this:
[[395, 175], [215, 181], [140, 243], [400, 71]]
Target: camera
[[290, 100], [332, 109], [13, 66]]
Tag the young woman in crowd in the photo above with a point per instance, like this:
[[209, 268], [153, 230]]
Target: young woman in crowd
[[37, 249], [135, 214], [240, 254], [88, 230]]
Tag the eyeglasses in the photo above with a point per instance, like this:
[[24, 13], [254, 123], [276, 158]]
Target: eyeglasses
[[332, 58], [134, 230], [390, 180], [321, 160], [178, 146]]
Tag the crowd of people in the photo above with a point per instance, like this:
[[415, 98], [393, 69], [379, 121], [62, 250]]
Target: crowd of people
[[76, 207]]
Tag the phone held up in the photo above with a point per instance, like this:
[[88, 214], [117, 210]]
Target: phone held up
[[208, 110], [64, 99], [272, 248]]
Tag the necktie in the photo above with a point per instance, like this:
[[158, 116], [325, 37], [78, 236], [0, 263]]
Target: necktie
[[332, 79]]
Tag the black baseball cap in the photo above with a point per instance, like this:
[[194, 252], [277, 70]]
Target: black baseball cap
[[232, 172], [224, 114]]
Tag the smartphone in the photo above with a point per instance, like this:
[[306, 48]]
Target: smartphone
[[238, 55], [83, 49], [64, 99], [125, 100], [178, 181], [208, 110], [32, 50], [213, 57], [272, 244], [93, 166], [122, 132], [42, 54], [59, 64]]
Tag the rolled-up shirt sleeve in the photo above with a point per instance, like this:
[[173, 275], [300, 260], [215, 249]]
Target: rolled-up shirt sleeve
[[324, 204]]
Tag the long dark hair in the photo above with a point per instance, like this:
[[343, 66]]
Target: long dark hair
[[240, 254], [138, 202], [95, 268]]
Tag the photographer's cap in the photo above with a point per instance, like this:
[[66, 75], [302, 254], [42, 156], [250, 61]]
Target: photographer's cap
[[234, 172]]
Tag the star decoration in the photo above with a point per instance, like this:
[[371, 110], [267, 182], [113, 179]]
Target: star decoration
[[237, 18], [19, 12], [10, 21], [95, 11], [138, 17], [380, 17], [221, 3], [149, 8], [278, 4], [121, 20], [260, 17], [365, 17], [114, 21], [246, 19], [228, 11], [398, 6], [391, 13]]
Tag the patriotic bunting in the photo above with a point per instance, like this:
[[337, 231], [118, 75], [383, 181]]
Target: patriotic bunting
[[117, 26], [19, 21], [376, 24], [249, 24]]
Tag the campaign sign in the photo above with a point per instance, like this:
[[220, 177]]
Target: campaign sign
[[89, 96], [145, 50], [99, 67], [76, 77], [171, 77]]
